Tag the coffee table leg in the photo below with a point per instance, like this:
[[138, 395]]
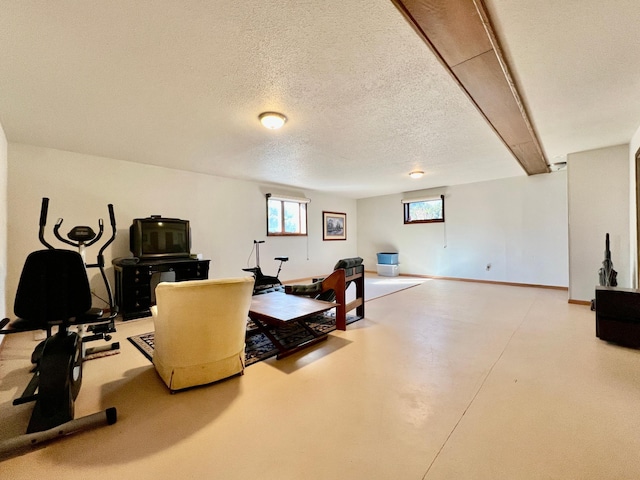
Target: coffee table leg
[[264, 329]]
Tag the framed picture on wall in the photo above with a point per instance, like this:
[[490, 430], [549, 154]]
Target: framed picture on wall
[[334, 226]]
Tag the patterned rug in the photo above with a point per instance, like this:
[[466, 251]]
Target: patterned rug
[[258, 346]]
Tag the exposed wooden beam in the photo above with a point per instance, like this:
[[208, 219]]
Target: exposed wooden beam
[[460, 34]]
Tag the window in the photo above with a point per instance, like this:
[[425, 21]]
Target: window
[[286, 215], [424, 210]]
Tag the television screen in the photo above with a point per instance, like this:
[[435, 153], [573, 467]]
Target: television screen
[[157, 237]]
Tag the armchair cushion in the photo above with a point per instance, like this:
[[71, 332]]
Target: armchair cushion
[[351, 266], [310, 289], [200, 328]]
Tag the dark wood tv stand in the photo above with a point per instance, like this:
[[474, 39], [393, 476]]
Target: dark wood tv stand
[[618, 315], [135, 282]]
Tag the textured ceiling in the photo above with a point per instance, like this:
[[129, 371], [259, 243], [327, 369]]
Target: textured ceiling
[[181, 84], [577, 63]]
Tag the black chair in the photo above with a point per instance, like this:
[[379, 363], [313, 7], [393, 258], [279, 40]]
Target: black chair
[[53, 292]]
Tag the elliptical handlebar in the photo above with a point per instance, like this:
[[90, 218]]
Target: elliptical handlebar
[[43, 222], [100, 232], [80, 245], [44, 209], [112, 220], [112, 216], [56, 232]]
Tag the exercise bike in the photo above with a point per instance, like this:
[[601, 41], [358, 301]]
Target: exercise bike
[[54, 291], [265, 283]]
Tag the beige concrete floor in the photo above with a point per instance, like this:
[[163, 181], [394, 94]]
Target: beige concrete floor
[[445, 380]]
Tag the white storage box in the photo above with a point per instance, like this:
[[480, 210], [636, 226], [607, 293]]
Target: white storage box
[[387, 270]]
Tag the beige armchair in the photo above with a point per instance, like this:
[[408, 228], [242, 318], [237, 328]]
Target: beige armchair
[[200, 329]]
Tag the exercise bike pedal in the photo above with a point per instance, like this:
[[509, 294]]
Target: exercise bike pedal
[[282, 259], [29, 395], [97, 336], [23, 400], [107, 327], [104, 348]]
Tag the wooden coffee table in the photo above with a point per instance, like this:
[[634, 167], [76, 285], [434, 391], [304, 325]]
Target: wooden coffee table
[[279, 309]]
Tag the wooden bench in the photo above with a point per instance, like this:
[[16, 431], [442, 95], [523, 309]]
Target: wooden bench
[[337, 282]]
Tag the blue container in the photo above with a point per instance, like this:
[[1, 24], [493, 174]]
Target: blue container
[[388, 258]]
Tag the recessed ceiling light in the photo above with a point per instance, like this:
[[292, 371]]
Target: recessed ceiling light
[[416, 174], [272, 120]]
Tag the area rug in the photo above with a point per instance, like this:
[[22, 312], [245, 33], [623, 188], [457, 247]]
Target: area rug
[[258, 346], [376, 286], [379, 286]]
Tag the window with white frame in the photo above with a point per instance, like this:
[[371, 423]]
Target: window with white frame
[[286, 215], [424, 210]]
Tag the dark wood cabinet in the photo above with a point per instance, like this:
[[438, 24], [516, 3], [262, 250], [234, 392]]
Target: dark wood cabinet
[[136, 282], [618, 315]]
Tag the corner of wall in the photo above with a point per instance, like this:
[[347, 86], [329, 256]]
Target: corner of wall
[[599, 204], [3, 221], [634, 147]]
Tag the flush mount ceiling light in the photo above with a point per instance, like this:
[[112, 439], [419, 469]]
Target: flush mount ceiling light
[[559, 162], [416, 174], [272, 120]]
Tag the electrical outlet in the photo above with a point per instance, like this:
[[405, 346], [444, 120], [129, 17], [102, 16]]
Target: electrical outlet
[[488, 267]]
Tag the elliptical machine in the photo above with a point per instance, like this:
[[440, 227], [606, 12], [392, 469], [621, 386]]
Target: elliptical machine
[[82, 237], [265, 283], [45, 298]]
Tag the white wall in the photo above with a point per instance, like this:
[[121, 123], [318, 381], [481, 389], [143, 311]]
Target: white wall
[[598, 189], [518, 225], [226, 215]]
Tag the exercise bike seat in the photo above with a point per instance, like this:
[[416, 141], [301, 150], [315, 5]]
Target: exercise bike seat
[[282, 259]]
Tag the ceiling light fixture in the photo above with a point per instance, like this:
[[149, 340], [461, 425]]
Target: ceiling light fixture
[[272, 120], [556, 167], [416, 174]]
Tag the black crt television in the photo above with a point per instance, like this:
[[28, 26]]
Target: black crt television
[[156, 237]]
